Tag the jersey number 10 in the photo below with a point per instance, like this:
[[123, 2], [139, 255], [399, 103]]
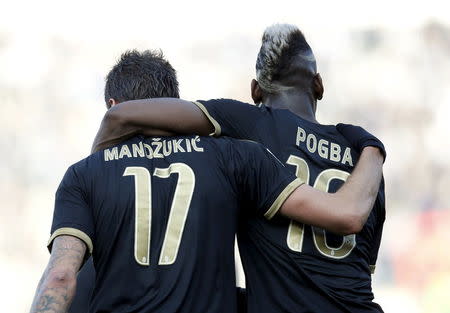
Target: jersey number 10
[[143, 211], [296, 230]]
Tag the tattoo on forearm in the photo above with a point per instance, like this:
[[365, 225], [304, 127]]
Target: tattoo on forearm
[[53, 300], [57, 286]]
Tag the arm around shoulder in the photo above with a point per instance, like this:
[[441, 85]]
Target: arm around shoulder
[[151, 117], [314, 207], [346, 211]]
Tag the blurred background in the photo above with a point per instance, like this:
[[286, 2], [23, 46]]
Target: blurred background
[[385, 66]]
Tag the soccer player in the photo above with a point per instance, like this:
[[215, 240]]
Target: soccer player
[[289, 266], [159, 214]]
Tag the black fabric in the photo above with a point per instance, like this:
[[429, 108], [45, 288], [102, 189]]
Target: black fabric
[[298, 277], [98, 196], [360, 138], [85, 287]]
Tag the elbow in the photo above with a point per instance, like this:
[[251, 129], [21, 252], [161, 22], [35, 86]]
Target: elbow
[[351, 223], [61, 278], [352, 217], [353, 226]]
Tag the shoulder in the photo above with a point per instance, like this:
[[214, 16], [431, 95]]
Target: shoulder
[[227, 145], [248, 144], [247, 149], [223, 101], [87, 166], [237, 144], [229, 104], [77, 172]]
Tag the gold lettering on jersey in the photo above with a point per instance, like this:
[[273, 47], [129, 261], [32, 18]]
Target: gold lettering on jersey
[[347, 157], [124, 151], [335, 154], [324, 148], [157, 145], [301, 136], [311, 143], [138, 150], [194, 144], [157, 148], [148, 151], [111, 154], [188, 145], [167, 148], [177, 146]]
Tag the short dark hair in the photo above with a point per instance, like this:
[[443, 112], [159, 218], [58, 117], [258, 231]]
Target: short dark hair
[[141, 75], [280, 44]]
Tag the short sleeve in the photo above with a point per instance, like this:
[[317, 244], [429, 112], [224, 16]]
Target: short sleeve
[[380, 211], [263, 181], [72, 214], [231, 118]]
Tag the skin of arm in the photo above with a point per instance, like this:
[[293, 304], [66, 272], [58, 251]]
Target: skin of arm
[[343, 212], [150, 117], [57, 286], [346, 211]]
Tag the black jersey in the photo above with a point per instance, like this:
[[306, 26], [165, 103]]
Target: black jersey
[[291, 267], [159, 216]]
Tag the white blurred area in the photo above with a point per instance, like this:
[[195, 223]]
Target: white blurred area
[[385, 66]]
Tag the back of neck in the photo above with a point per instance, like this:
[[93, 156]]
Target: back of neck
[[301, 104]]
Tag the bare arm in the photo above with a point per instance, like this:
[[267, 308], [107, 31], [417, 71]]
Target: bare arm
[[56, 288], [156, 117], [346, 211]]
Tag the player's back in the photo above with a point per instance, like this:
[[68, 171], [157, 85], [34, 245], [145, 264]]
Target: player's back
[[157, 184], [331, 272], [160, 215], [165, 218], [146, 250], [292, 267]]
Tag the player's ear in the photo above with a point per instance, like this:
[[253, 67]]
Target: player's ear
[[318, 87], [256, 92], [111, 102]]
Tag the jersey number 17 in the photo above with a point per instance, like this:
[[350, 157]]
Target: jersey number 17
[[143, 211]]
